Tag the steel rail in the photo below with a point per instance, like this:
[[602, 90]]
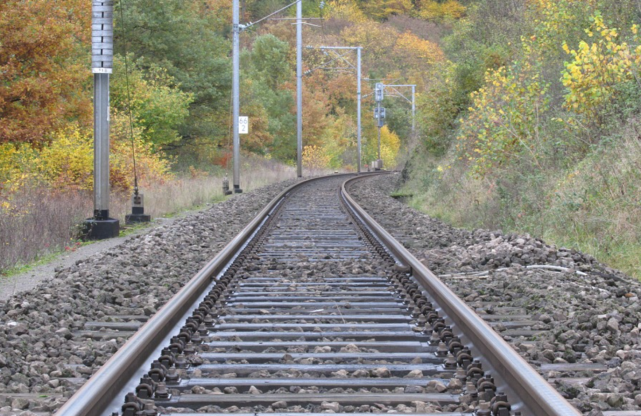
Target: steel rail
[[98, 392], [538, 396]]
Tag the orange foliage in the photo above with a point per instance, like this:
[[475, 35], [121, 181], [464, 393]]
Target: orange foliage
[[375, 38], [382, 9], [315, 121], [433, 10], [41, 75], [415, 50]]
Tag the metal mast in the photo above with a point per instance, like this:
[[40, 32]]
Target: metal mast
[[358, 108], [299, 88], [101, 226], [235, 91], [413, 108]]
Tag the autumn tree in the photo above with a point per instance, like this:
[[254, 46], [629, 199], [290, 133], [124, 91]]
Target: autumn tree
[[382, 9], [268, 69], [157, 105], [41, 75], [179, 36], [314, 158], [345, 10]]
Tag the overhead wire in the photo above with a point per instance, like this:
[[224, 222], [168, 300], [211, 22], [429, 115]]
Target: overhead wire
[[129, 110]]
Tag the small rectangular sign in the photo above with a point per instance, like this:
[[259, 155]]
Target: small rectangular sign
[[243, 125], [101, 70]]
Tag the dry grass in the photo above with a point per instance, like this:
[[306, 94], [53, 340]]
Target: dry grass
[[594, 206], [42, 222]]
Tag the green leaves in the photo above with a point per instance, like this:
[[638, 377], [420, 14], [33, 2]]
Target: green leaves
[[177, 35], [158, 106]]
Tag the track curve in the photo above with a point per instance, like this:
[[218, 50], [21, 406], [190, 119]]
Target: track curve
[[314, 308]]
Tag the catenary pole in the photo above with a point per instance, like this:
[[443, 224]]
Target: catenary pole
[[235, 91], [358, 117], [100, 226], [413, 108], [299, 88], [378, 118]]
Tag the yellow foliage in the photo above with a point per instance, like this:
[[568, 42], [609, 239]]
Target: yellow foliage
[[382, 9], [450, 9], [314, 158], [67, 162], [409, 45], [375, 38], [504, 118], [598, 67], [390, 145], [555, 20], [345, 10]]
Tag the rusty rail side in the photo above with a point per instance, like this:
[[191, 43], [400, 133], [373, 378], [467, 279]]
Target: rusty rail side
[[99, 391], [538, 397]]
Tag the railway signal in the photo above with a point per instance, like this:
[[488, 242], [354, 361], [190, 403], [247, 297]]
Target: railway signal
[[379, 114], [379, 92]]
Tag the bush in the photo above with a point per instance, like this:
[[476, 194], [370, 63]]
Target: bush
[[505, 119], [67, 163]]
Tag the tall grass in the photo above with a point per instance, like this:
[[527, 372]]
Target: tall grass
[[41, 221], [593, 205]]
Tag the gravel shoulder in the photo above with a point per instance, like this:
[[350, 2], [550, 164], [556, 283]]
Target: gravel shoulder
[[45, 354], [20, 282], [583, 318]]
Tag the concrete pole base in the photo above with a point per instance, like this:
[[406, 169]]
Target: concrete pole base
[[94, 229], [136, 218]]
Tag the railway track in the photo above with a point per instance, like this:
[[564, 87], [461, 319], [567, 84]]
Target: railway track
[[314, 308]]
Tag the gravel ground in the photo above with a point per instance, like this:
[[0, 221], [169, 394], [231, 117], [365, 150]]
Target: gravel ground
[[590, 318], [10, 286], [588, 313], [325, 303], [42, 362]]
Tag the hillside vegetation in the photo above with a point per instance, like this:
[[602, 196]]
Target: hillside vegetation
[[527, 110], [170, 100], [532, 125], [173, 73]]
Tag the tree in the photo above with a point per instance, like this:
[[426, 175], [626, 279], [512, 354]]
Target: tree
[[158, 106], [41, 75], [314, 158], [269, 60], [269, 69], [382, 9], [177, 35]]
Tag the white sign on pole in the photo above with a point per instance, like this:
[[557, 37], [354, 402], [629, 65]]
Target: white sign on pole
[[243, 125]]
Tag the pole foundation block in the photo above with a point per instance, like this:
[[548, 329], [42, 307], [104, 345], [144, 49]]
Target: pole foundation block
[[137, 209], [94, 229], [136, 218]]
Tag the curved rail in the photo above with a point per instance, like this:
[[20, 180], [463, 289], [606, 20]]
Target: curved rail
[[538, 396], [98, 392]]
